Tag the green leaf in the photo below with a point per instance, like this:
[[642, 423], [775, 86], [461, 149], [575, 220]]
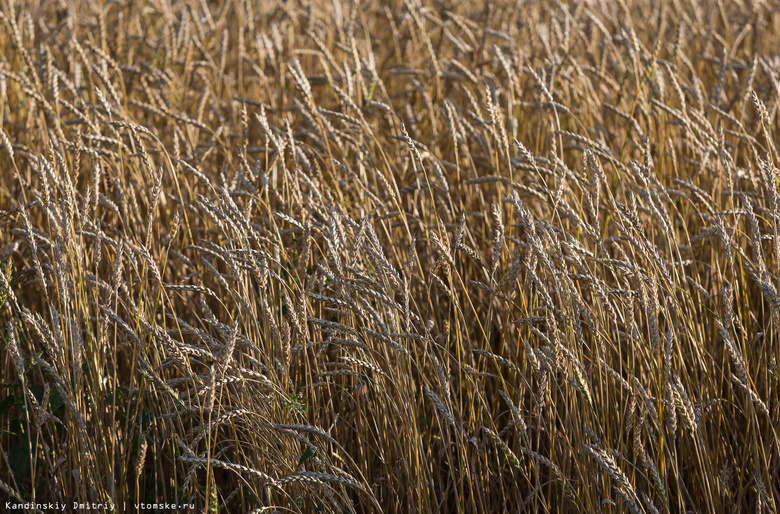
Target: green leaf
[[8, 402], [308, 453], [19, 459]]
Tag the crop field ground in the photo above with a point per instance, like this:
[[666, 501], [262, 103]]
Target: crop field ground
[[406, 256]]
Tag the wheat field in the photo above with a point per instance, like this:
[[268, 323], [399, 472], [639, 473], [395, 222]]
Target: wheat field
[[419, 256]]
